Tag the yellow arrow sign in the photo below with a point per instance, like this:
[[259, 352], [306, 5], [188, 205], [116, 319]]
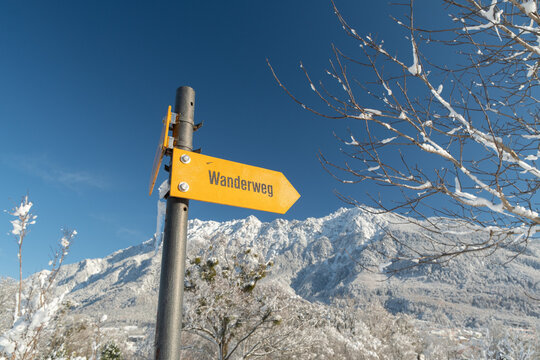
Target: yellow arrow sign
[[205, 178], [160, 151]]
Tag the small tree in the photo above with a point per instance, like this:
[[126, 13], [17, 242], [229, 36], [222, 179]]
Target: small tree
[[111, 352], [224, 307], [23, 218], [229, 307], [36, 302], [455, 136]]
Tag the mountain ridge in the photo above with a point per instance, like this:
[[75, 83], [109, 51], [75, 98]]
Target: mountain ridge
[[321, 259]]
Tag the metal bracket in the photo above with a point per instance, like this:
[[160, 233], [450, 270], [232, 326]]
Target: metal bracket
[[174, 118], [198, 126]]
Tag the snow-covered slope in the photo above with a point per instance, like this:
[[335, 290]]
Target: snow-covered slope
[[324, 259]]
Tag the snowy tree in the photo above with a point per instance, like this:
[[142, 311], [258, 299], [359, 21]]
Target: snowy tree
[[230, 309], [8, 288], [74, 335], [36, 301], [224, 307], [23, 218], [452, 136], [503, 343], [378, 334]]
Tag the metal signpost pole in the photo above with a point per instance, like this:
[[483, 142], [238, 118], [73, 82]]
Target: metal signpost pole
[[173, 261]]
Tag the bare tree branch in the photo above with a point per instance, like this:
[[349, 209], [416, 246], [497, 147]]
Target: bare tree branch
[[458, 139]]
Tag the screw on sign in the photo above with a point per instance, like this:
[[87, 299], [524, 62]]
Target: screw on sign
[[185, 158], [183, 186]]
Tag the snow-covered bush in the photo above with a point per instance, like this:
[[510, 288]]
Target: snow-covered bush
[[503, 343], [397, 334], [36, 301], [73, 335]]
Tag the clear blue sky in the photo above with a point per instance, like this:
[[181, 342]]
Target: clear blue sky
[[84, 85]]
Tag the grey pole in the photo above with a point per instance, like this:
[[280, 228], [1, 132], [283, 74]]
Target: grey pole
[[173, 261]]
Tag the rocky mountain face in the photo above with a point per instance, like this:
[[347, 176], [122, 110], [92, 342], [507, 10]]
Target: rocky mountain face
[[324, 260]]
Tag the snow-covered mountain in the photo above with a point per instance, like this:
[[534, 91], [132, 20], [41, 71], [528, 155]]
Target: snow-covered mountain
[[324, 260]]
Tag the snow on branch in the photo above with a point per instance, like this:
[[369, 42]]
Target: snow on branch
[[36, 299], [473, 117]]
